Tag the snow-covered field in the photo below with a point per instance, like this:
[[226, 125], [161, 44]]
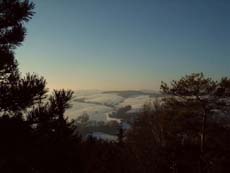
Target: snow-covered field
[[99, 104], [136, 102]]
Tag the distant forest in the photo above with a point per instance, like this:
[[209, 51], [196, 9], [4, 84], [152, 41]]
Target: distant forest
[[187, 132]]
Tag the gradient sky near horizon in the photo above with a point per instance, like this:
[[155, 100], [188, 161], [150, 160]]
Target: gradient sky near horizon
[[125, 44]]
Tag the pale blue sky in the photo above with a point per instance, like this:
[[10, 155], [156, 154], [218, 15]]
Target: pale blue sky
[[126, 44]]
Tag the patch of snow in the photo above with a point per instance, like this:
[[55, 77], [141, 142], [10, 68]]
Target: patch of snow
[[96, 112], [125, 126], [137, 103], [108, 118], [104, 136]]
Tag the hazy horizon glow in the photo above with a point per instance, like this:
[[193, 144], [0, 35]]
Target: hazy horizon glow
[[126, 44]]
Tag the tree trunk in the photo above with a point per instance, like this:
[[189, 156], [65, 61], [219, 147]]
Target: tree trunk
[[203, 168]]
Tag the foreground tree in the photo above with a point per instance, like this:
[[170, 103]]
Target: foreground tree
[[159, 140], [167, 135], [16, 93], [48, 118], [29, 124], [201, 96]]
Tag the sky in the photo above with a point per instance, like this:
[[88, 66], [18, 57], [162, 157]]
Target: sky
[[125, 44]]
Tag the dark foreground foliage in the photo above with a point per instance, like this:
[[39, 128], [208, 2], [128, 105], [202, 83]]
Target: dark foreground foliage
[[187, 131]]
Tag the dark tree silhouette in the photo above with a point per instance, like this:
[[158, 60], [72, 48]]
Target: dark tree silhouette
[[49, 118], [120, 135], [201, 96], [16, 93], [154, 138], [29, 121]]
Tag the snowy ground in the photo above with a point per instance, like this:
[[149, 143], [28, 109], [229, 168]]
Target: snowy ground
[[99, 104], [104, 136]]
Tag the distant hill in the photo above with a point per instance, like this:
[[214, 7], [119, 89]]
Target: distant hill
[[105, 107], [133, 93], [99, 104]]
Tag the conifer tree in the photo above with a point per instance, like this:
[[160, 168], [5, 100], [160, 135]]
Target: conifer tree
[[200, 95], [17, 93]]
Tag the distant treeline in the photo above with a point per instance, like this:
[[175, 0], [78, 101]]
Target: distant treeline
[[188, 131]]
